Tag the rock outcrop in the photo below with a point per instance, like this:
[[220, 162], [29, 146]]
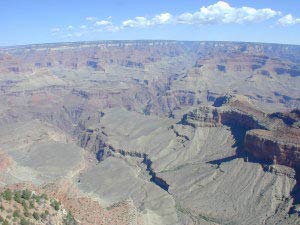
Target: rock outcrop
[[278, 147], [274, 138]]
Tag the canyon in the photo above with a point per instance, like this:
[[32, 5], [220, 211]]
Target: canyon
[[155, 132]]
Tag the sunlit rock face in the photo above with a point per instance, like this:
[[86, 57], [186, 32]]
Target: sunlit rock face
[[155, 132]]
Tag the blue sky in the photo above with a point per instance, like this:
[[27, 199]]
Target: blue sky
[[44, 21]]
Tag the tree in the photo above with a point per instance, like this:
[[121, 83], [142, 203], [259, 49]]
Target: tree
[[55, 204], [26, 194], [24, 204], [17, 196], [7, 194]]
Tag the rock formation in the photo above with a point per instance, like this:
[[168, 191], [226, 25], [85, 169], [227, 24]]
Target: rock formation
[[154, 132]]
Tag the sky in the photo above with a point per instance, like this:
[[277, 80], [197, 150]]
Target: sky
[[48, 21]]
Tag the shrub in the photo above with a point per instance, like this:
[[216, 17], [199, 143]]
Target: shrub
[[69, 220], [26, 194], [16, 213], [17, 196], [24, 222], [5, 222], [43, 216], [31, 204], [38, 199], [7, 194], [55, 204], [36, 215], [24, 204]]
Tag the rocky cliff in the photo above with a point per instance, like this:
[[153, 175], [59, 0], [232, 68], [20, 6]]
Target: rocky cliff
[[274, 138]]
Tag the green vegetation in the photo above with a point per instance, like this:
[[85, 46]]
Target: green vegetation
[[43, 216], [26, 194], [24, 222], [69, 220], [31, 204], [55, 204], [36, 216], [16, 213], [17, 196], [24, 207], [7, 194], [24, 204]]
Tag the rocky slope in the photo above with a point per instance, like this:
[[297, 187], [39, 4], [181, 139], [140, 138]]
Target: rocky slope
[[154, 132]]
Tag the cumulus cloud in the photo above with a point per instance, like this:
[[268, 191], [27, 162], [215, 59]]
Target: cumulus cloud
[[162, 18], [288, 20], [222, 13], [141, 21], [103, 23], [218, 13]]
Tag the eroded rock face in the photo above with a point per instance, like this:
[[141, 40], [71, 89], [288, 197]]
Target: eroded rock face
[[278, 147], [154, 129], [273, 138]]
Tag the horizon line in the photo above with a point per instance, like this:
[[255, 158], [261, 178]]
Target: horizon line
[[135, 40]]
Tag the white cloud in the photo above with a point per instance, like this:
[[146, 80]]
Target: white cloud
[[82, 26], [218, 13], [288, 20], [162, 18], [91, 18], [141, 21], [222, 13], [102, 23], [112, 28], [138, 21]]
